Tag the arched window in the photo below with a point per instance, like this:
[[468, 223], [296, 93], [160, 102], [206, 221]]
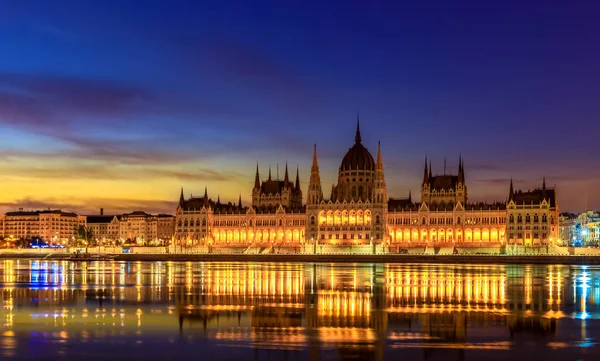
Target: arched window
[[423, 221], [377, 219], [511, 219], [360, 192], [353, 192], [458, 220], [250, 223], [281, 223], [544, 218], [203, 222], [528, 218], [536, 218], [519, 218], [312, 220]]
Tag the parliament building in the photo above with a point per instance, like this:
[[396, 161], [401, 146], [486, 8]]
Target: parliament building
[[358, 213]]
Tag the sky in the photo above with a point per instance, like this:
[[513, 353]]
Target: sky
[[120, 104]]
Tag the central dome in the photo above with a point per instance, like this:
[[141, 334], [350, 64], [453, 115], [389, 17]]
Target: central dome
[[358, 157]]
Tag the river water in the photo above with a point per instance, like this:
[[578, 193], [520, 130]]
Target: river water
[[243, 311]]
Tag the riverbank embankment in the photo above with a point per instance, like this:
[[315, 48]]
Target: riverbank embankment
[[325, 258]]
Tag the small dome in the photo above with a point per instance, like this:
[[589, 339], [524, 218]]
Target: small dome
[[358, 157]]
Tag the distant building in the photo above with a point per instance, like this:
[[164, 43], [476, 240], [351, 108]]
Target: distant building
[[136, 228], [566, 226], [53, 226]]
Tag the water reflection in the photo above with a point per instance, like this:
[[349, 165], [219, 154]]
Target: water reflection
[[314, 311]]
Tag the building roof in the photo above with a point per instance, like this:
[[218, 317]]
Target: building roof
[[445, 182], [400, 204], [37, 213], [274, 186], [99, 219], [358, 157], [535, 196]]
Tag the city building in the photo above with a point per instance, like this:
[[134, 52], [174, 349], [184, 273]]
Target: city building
[[53, 226], [587, 228], [533, 218], [358, 213], [138, 228], [567, 223]]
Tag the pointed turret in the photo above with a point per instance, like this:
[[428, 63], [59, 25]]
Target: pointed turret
[[240, 201], [410, 196], [430, 175], [218, 199], [511, 192], [357, 137], [257, 178], [379, 164], [544, 184], [181, 199], [461, 170], [425, 173], [315, 193], [380, 191], [269, 173], [205, 196], [297, 179], [286, 178]]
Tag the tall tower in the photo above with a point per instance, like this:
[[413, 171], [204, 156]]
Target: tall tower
[[380, 195], [315, 193], [256, 189], [313, 198], [461, 186]]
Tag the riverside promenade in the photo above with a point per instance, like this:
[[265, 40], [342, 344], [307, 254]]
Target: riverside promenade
[[315, 258]]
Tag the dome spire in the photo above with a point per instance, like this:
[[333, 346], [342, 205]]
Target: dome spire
[[357, 138]]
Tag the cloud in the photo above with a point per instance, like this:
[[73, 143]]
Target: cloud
[[103, 171], [42, 101], [92, 205]]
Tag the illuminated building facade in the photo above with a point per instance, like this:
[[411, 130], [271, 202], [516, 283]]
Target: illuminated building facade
[[137, 227], [52, 225], [359, 213], [533, 218]]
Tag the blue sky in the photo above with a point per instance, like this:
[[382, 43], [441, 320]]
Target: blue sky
[[132, 100]]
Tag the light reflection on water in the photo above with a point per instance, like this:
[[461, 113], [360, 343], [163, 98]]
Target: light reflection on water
[[308, 311]]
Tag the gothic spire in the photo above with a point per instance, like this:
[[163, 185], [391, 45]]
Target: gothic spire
[[269, 173], [256, 178], [430, 175], [410, 196], [181, 199], [205, 201], [315, 164], [218, 199], [240, 201], [297, 178], [511, 192], [315, 193], [379, 165], [425, 173], [357, 138], [544, 184], [286, 179], [461, 170]]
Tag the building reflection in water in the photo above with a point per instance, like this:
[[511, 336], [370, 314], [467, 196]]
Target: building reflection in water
[[356, 310]]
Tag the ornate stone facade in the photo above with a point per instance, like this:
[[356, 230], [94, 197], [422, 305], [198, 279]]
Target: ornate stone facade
[[359, 212]]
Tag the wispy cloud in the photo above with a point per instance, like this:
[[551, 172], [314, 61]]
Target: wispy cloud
[[92, 205], [115, 173]]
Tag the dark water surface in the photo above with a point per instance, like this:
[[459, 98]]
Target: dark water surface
[[244, 311]]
